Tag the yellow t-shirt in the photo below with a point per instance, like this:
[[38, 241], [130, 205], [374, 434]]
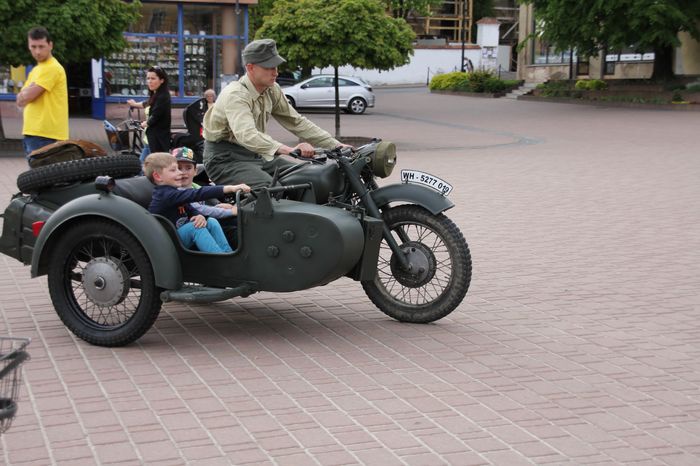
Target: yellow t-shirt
[[47, 116]]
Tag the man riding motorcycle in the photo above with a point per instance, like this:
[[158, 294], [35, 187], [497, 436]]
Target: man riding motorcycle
[[236, 147]]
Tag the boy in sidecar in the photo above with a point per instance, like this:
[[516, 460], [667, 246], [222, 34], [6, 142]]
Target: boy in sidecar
[[174, 204], [225, 213]]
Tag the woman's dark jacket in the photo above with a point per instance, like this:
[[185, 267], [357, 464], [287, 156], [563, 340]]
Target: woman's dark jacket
[[158, 130]]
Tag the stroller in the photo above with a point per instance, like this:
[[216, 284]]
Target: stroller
[[127, 136], [193, 115]]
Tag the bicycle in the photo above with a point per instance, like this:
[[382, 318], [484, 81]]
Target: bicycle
[[127, 136], [12, 356]]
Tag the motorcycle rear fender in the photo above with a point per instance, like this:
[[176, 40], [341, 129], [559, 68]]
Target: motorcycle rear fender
[[137, 220], [412, 194]]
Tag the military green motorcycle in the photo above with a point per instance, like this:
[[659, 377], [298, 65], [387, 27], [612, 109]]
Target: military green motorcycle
[[424, 264], [111, 264]]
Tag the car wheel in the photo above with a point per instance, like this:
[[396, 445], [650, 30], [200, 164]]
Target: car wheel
[[357, 105], [291, 102], [102, 284]]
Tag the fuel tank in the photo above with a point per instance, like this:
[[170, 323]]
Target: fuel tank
[[326, 179]]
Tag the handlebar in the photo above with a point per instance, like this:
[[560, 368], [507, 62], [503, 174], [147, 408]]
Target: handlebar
[[322, 154], [279, 189]]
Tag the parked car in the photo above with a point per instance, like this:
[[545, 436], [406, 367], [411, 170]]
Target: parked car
[[319, 92], [288, 78]]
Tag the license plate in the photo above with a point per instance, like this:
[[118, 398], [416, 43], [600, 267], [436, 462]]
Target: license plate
[[426, 179]]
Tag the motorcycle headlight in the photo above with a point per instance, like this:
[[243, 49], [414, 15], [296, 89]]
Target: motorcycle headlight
[[384, 159]]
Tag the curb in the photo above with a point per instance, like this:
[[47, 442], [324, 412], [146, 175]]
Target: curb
[[599, 103]]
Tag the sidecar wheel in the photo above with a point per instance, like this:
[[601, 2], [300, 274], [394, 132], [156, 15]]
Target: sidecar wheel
[[102, 284], [442, 267]]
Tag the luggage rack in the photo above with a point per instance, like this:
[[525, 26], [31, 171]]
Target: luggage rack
[[12, 356]]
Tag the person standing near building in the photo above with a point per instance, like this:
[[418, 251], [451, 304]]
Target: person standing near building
[[157, 125], [44, 97]]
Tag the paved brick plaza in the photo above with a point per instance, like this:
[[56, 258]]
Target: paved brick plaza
[[578, 343]]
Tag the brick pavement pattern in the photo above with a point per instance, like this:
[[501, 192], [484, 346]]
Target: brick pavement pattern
[[578, 342]]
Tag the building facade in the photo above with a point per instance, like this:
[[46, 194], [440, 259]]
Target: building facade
[[539, 61], [196, 42]]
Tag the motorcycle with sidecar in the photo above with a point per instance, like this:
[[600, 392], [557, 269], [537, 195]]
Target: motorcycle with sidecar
[[111, 264]]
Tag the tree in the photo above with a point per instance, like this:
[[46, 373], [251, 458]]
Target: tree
[[404, 8], [258, 13], [319, 33], [591, 27], [80, 29]]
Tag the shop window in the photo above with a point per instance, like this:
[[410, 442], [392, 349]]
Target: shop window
[[202, 19], [125, 72], [583, 66], [156, 19], [154, 40], [203, 64], [545, 54], [195, 66]]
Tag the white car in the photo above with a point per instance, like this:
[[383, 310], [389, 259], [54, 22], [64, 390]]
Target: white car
[[319, 92]]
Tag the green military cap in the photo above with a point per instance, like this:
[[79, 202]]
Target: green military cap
[[262, 52]]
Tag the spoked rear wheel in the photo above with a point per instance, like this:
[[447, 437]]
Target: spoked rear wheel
[[102, 284], [440, 267]]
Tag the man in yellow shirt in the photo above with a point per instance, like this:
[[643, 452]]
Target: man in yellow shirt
[[44, 97], [236, 146]]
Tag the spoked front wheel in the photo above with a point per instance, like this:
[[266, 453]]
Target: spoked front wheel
[[102, 284], [440, 267]]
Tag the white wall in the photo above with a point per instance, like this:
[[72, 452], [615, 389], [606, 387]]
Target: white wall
[[424, 64]]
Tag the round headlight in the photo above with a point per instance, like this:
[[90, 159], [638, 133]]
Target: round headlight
[[384, 159]]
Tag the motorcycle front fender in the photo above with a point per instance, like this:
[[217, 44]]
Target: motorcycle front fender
[[412, 194]]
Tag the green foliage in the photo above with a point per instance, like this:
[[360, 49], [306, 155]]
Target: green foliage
[[404, 8], [477, 81], [258, 13], [80, 29], [590, 85], [447, 81], [590, 26], [695, 87], [677, 97], [318, 33], [597, 85]]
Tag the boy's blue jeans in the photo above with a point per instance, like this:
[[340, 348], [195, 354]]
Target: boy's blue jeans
[[209, 239]]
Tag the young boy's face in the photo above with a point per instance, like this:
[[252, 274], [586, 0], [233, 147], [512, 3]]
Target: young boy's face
[[188, 170], [171, 176]]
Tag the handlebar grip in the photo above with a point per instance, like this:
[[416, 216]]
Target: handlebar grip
[[296, 153]]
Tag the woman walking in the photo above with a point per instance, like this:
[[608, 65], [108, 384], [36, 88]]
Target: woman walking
[[158, 111]]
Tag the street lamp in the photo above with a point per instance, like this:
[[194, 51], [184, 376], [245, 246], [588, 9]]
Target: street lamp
[[463, 30]]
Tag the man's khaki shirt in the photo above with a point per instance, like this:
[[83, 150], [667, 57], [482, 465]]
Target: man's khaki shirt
[[240, 115]]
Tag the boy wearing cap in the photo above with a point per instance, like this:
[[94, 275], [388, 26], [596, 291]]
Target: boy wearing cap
[[236, 148], [173, 203], [188, 167]]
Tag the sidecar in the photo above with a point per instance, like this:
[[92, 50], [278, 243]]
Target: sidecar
[[110, 263]]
